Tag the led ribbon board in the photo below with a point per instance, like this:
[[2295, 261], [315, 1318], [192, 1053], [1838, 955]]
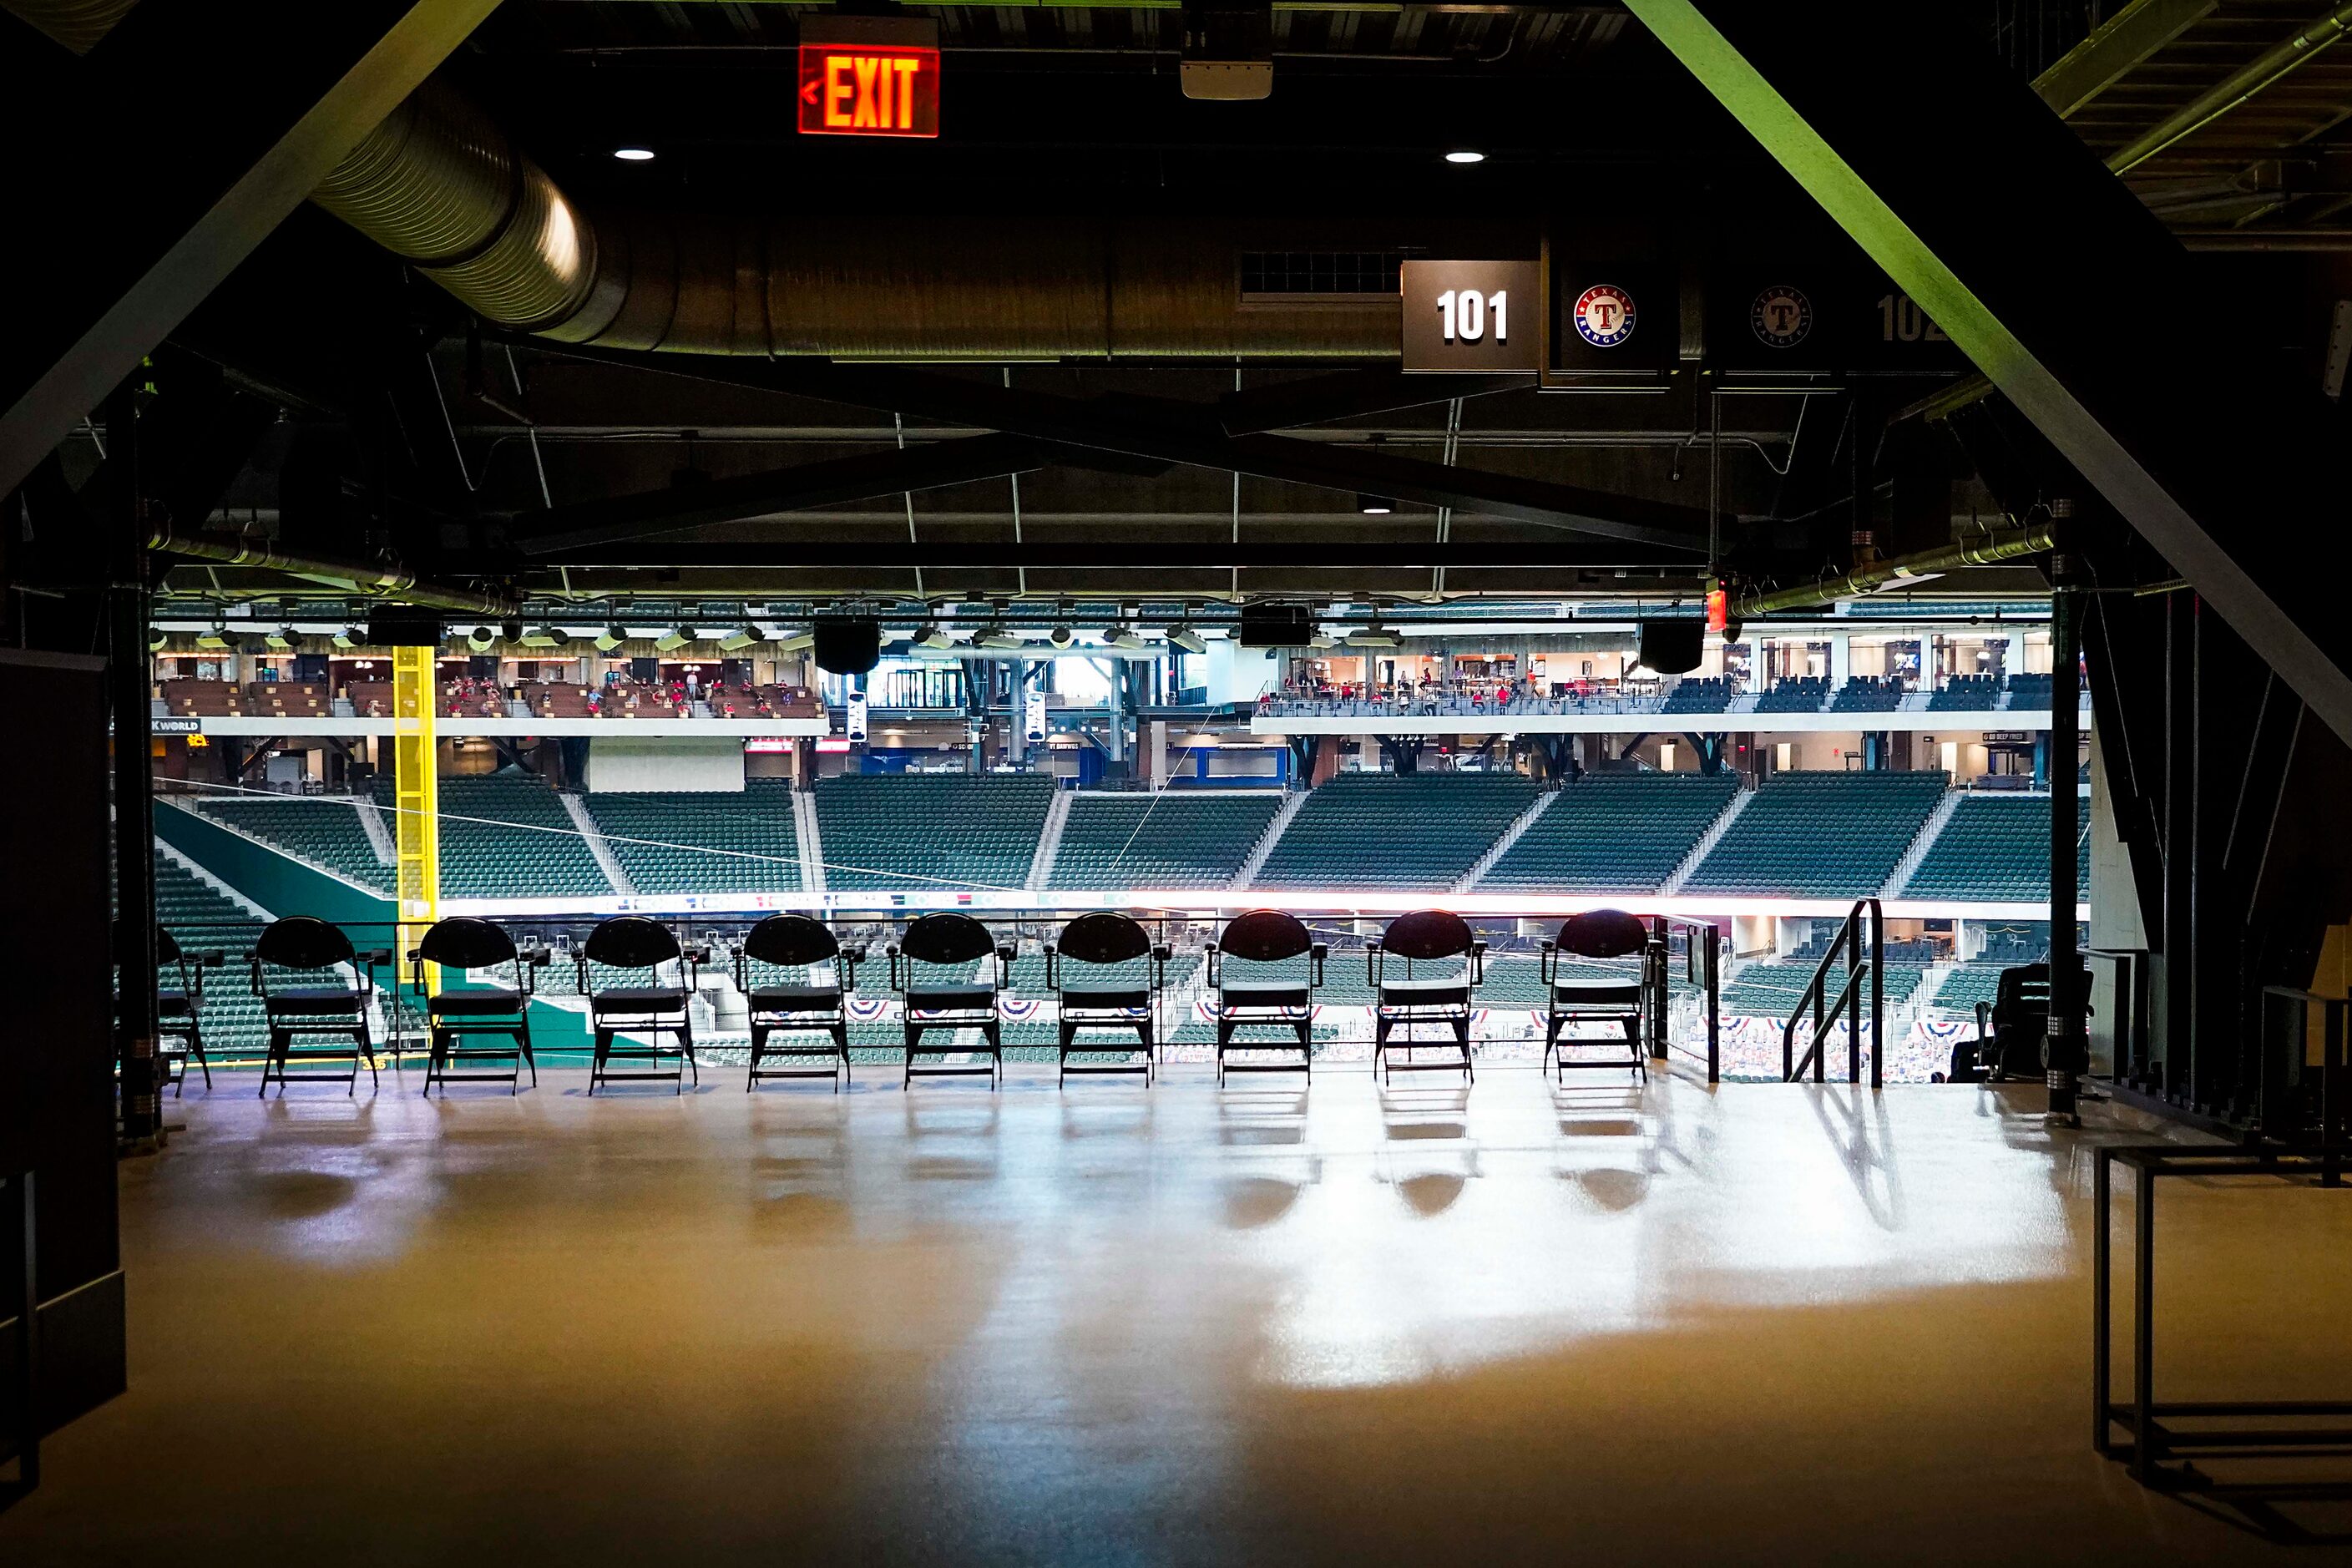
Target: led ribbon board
[[862, 76]]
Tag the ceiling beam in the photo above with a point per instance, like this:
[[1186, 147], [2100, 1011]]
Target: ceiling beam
[[194, 130], [1115, 552], [2113, 47], [1165, 430], [588, 525], [2234, 478], [1348, 395]]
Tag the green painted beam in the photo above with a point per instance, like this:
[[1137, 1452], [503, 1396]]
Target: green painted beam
[[2061, 256]]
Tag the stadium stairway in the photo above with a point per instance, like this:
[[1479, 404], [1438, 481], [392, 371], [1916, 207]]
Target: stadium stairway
[[1613, 832], [1517, 830], [1706, 842], [1049, 843], [1901, 876], [593, 837], [1292, 805]]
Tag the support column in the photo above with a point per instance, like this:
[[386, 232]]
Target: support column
[[2066, 1052], [1159, 753], [135, 824], [416, 837]]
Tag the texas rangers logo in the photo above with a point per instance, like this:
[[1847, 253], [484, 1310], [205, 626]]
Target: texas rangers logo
[[1780, 318], [1604, 315]]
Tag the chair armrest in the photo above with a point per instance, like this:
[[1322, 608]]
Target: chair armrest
[[1478, 962], [1214, 954], [1319, 952], [1052, 967], [1005, 952]]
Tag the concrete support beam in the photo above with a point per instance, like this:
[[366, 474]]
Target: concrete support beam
[[2052, 277]]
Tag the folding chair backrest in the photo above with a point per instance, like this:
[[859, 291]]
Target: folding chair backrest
[[1604, 934], [1429, 936], [303, 943], [1265, 947], [949, 942], [631, 942], [464, 942], [791, 941], [1110, 949]]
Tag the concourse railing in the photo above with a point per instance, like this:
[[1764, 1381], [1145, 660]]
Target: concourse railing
[[1697, 945], [1865, 967]]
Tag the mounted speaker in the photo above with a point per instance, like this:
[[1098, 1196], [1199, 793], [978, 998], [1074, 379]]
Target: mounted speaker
[[1672, 647], [1275, 626], [850, 645]]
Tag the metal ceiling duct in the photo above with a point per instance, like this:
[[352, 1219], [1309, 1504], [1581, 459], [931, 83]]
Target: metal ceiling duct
[[440, 185], [76, 24]]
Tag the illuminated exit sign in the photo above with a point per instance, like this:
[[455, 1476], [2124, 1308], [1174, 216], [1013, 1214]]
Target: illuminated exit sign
[[869, 75]]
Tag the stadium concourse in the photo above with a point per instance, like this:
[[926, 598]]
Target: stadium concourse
[[1175, 781]]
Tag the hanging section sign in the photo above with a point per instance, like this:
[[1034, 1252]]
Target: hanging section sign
[[869, 75]]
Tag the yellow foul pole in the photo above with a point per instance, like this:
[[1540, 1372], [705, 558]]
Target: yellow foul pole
[[416, 840]]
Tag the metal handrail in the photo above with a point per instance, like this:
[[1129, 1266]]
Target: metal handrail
[[1847, 942], [1702, 963]]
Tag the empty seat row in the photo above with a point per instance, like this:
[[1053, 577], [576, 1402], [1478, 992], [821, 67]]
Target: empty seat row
[[1613, 832], [1407, 831], [1819, 834]]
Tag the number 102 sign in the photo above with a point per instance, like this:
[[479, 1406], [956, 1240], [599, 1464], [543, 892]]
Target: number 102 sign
[[1475, 317]]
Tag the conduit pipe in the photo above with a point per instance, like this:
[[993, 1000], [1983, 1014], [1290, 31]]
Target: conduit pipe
[[76, 24], [440, 185], [373, 580], [2009, 545], [2244, 83]]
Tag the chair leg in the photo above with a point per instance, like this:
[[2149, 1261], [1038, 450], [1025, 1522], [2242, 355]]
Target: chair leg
[[597, 1062], [523, 1034], [751, 1072], [197, 1051]]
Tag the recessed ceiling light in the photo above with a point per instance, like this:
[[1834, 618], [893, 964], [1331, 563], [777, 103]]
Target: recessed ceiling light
[[645, 154], [1459, 155]]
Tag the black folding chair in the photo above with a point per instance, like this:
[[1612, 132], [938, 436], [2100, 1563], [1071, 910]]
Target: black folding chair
[[2012, 1026], [658, 1005], [179, 1025], [298, 973], [1099, 946], [1263, 937], [950, 940], [1595, 934], [452, 1016], [813, 1006], [1436, 937]]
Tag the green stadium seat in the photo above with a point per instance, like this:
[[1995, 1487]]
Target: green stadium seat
[[1401, 831], [1612, 833]]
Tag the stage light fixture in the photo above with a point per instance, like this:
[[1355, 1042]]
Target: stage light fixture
[[1183, 636], [156, 637], [934, 637], [1127, 642], [351, 637], [674, 640], [1373, 635], [216, 638], [798, 642], [612, 637], [1000, 640], [744, 637], [1061, 637], [480, 638], [280, 640], [545, 637]]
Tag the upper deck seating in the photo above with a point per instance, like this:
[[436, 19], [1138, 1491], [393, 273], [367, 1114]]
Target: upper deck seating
[[1995, 846], [1698, 694], [703, 841], [1868, 694], [1797, 694], [1395, 830], [507, 836], [939, 831], [1613, 832], [2032, 691], [1967, 694], [1819, 834], [203, 699], [323, 830], [1167, 839]]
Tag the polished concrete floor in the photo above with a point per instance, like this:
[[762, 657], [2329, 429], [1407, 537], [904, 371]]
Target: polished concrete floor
[[1256, 1325]]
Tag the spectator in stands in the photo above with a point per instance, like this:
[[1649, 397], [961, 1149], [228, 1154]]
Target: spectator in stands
[[693, 685]]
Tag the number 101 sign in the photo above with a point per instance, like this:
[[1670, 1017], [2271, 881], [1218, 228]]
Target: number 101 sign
[[1471, 316]]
